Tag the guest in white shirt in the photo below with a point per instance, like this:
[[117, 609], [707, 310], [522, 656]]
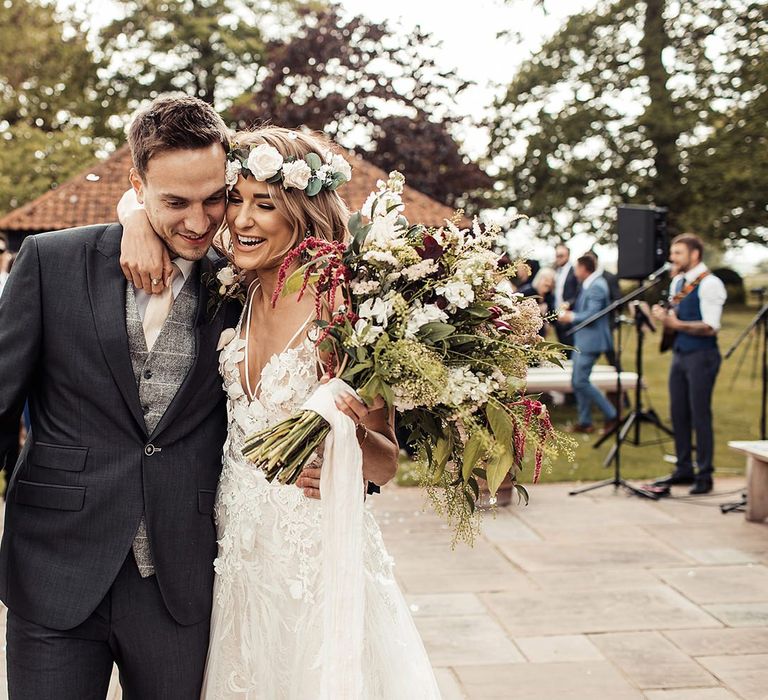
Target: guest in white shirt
[[696, 301]]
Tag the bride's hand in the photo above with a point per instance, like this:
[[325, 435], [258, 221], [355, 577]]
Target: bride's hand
[[351, 406], [144, 258]]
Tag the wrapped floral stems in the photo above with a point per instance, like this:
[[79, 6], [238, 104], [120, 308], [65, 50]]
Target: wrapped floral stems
[[283, 450], [429, 323]]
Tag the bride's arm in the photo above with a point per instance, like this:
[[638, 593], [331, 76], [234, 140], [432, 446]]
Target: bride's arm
[[143, 256]]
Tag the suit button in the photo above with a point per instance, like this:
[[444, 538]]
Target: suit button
[[147, 374], [149, 450]]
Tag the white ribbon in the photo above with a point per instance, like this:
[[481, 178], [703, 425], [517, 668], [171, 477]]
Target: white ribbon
[[341, 492]]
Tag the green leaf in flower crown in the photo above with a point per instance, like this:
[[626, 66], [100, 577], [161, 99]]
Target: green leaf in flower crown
[[435, 331], [314, 186], [277, 177], [313, 161], [501, 424], [498, 468], [472, 452], [336, 181]]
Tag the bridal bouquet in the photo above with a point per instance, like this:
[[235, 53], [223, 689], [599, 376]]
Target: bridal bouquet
[[427, 323]]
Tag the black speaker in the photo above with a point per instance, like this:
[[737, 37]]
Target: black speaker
[[643, 240]]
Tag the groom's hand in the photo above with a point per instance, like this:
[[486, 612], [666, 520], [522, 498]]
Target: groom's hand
[[309, 481]]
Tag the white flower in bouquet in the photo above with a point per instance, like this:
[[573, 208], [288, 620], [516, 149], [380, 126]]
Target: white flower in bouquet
[[377, 310], [381, 256], [366, 333], [464, 386], [383, 229], [362, 288], [458, 294], [420, 270], [264, 162], [421, 316], [296, 174]]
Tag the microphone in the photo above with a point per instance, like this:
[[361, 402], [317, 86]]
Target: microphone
[[658, 273]]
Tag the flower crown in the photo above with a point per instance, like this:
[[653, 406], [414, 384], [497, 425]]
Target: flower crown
[[265, 163]]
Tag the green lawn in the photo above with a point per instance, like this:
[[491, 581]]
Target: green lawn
[[736, 410]]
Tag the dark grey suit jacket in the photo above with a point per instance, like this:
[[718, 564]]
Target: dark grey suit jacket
[[89, 470]]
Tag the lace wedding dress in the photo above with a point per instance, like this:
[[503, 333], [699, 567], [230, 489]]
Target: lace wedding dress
[[267, 622]]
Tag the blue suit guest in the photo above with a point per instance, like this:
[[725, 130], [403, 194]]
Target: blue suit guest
[[590, 342]]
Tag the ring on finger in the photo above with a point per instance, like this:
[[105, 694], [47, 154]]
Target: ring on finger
[[155, 281]]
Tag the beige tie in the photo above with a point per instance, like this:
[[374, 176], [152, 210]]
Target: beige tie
[[157, 311]]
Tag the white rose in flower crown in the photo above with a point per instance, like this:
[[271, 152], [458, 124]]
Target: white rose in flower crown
[[339, 165], [233, 172], [296, 174], [264, 161]]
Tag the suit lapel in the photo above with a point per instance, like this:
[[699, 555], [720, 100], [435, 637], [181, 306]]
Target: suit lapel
[[206, 338], [106, 290]]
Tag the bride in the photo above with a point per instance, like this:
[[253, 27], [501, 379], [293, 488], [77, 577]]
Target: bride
[[270, 622]]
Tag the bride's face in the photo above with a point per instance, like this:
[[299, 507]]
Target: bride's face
[[261, 235]]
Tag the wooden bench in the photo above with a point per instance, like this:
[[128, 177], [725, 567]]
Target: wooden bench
[[757, 477], [542, 379]]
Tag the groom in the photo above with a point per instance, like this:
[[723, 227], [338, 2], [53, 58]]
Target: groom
[[109, 537]]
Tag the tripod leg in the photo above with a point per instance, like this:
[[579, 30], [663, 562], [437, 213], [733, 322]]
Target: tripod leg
[[592, 487], [629, 421]]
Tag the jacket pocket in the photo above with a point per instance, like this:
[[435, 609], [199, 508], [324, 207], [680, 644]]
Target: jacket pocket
[[70, 459], [31, 493], [205, 501]]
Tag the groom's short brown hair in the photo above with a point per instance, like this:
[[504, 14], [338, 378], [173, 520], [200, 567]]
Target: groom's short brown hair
[[171, 123]]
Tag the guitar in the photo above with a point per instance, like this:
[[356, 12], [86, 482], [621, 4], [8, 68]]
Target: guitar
[[672, 304]]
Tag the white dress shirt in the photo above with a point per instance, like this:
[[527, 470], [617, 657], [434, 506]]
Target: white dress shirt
[[3, 280], [712, 294], [177, 284], [561, 274]]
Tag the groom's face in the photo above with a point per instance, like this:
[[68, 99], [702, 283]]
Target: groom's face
[[185, 196]]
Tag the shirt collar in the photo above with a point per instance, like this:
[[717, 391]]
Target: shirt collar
[[185, 267], [695, 272], [587, 283]]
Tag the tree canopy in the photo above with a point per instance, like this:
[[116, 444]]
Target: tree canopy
[[642, 102]]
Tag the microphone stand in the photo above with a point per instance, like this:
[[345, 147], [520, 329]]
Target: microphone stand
[[617, 481]]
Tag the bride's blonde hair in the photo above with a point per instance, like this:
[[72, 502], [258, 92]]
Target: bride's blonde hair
[[324, 215]]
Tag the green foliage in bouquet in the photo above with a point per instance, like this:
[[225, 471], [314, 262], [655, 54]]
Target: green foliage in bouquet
[[431, 324]]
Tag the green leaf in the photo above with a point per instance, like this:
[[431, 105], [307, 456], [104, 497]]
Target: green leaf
[[355, 223], [314, 186], [277, 177], [498, 468], [313, 161], [443, 450], [501, 424], [296, 280], [436, 331], [472, 452], [478, 311]]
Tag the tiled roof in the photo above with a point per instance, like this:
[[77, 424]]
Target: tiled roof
[[91, 197]]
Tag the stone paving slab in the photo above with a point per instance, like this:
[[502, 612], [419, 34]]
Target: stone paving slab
[[744, 583], [651, 661], [746, 675], [601, 596]]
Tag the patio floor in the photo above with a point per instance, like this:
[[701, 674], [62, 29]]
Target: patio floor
[[601, 595]]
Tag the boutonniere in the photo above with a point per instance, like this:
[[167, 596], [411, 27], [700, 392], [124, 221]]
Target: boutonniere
[[227, 284]]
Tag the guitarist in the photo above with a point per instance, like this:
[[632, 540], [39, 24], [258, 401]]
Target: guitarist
[[696, 301]]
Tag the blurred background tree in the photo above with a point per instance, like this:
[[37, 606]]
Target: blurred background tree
[[49, 100], [373, 89], [643, 102]]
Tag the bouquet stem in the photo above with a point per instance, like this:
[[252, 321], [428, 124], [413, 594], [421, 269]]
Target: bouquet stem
[[283, 450]]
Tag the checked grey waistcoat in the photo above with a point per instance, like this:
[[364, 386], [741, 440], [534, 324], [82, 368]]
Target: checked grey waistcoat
[[160, 373]]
